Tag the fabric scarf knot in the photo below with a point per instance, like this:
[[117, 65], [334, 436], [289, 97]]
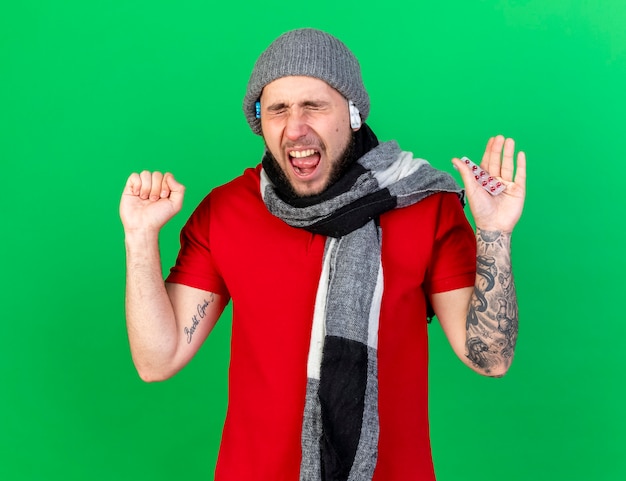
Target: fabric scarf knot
[[341, 426]]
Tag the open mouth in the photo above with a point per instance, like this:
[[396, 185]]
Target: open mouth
[[304, 162]]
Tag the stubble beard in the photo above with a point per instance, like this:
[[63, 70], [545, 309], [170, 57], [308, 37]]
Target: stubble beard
[[338, 169]]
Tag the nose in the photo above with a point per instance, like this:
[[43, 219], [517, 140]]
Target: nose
[[296, 125]]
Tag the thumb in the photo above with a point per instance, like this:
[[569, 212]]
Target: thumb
[[172, 183], [173, 189], [466, 174]]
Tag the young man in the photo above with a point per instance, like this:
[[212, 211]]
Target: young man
[[334, 250]]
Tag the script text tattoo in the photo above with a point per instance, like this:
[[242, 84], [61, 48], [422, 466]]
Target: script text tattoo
[[197, 317]]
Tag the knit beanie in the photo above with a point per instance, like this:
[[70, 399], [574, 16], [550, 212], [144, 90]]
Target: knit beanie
[[312, 53]]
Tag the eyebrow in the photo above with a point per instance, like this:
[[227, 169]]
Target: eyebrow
[[307, 103]]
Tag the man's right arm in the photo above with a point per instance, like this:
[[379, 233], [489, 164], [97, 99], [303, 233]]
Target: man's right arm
[[166, 323]]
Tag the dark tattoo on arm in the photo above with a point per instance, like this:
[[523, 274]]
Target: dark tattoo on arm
[[492, 319], [197, 317]]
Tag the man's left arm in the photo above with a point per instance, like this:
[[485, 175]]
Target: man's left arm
[[481, 322]]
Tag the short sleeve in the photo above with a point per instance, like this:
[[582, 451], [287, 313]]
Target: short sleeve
[[195, 266], [453, 260]]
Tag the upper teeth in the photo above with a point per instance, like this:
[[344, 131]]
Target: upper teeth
[[301, 153]]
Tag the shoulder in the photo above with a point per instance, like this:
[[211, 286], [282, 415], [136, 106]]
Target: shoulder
[[427, 223], [429, 209], [235, 192], [247, 183]]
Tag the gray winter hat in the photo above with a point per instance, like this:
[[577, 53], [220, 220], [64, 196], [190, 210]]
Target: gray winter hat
[[312, 53]]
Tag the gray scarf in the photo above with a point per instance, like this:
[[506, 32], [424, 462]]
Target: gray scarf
[[340, 427]]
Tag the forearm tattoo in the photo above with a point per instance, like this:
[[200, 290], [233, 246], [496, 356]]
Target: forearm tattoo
[[492, 317], [197, 317]]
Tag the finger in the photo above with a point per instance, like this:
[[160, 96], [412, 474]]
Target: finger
[[506, 171], [484, 163], [145, 178], [165, 188], [155, 189], [133, 184], [495, 156], [520, 175]]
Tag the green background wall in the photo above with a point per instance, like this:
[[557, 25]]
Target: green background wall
[[90, 91]]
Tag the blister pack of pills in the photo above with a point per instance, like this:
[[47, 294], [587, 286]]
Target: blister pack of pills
[[486, 181]]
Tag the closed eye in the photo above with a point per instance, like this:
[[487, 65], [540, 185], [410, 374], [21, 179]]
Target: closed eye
[[281, 108], [315, 105], [277, 108]]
